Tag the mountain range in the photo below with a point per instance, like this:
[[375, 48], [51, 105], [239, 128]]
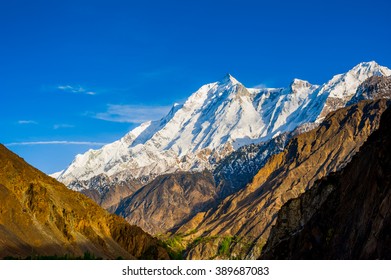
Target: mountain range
[[215, 121], [233, 173]]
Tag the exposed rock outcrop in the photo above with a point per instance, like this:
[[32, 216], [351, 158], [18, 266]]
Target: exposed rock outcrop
[[109, 191], [373, 88], [235, 171]]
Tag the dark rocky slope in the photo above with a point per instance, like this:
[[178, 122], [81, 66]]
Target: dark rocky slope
[[373, 88], [346, 215], [236, 170]]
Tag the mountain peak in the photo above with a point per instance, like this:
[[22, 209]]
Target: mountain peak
[[368, 64], [298, 84], [372, 68], [229, 79]]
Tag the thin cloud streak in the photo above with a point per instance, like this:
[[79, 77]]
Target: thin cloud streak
[[27, 122], [76, 89], [132, 113], [55, 143], [58, 126]]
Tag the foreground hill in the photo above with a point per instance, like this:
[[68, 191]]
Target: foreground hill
[[41, 217], [346, 215]]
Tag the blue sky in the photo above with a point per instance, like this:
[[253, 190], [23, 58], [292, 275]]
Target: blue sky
[[77, 74]]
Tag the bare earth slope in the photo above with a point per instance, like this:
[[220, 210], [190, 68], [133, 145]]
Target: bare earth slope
[[169, 200], [40, 217]]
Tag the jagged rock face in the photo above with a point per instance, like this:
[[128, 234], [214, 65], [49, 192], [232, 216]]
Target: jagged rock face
[[345, 215], [249, 214], [236, 170], [40, 216], [169, 201], [109, 191], [373, 88]]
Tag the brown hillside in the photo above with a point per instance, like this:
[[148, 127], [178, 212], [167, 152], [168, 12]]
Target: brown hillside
[[40, 216], [169, 200]]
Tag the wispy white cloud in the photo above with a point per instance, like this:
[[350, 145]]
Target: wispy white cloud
[[63, 125], [132, 113], [260, 86], [27, 122], [76, 89], [55, 143]]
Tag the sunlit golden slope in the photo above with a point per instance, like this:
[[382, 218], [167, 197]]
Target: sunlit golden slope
[[40, 216]]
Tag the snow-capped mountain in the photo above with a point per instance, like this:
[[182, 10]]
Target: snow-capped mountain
[[341, 88], [217, 119]]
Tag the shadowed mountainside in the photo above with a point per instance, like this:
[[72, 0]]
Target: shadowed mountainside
[[346, 215], [40, 217]]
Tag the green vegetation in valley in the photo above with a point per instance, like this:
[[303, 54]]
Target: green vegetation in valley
[[174, 245], [86, 256], [224, 248]]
